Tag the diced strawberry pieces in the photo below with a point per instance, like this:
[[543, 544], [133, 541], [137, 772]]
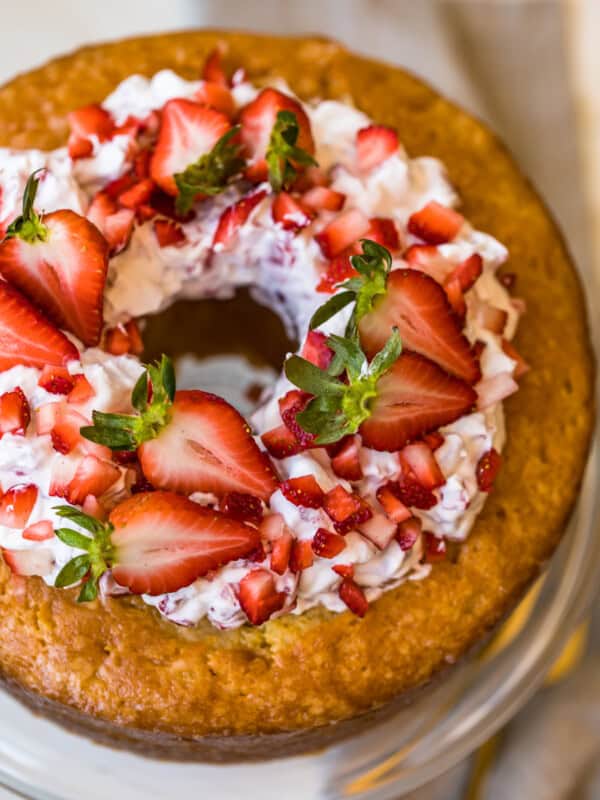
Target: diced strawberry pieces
[[344, 570], [116, 225], [355, 520], [91, 476], [289, 212], [468, 271], [315, 349], [138, 194], [408, 533], [216, 96], [45, 417], [421, 462], [213, 68], [79, 148], [455, 296], [383, 231], [340, 504], [521, 367], [290, 405], [435, 223], [346, 462], [124, 339], [56, 380], [338, 270], [259, 597], [379, 529], [412, 493], [327, 544], [394, 508], [15, 414], [16, 505], [92, 120], [281, 550], [243, 507], [427, 258], [433, 440], [487, 469], [435, 548], [234, 217], [280, 442], [354, 597], [374, 145], [347, 228], [302, 555], [94, 508], [33, 561], [168, 233], [322, 198], [82, 390], [303, 491], [141, 164], [39, 532]]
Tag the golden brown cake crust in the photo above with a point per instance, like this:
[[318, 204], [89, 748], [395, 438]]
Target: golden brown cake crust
[[118, 661]]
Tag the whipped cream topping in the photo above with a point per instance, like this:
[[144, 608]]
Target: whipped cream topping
[[283, 269]]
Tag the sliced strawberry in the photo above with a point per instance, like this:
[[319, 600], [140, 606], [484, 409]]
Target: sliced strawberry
[[33, 561], [213, 71], [206, 447], [316, 351], [15, 414], [339, 504], [241, 506], [379, 529], [257, 120], [234, 217], [435, 548], [138, 194], [56, 380], [346, 462], [280, 442], [259, 597], [26, 337], [40, 531], [374, 145], [487, 469], [289, 212], [116, 225], [408, 533], [91, 476], [168, 233], [216, 96], [392, 505], [303, 491], [468, 271], [435, 223], [82, 390], [163, 542], [421, 462], [327, 544], [354, 597], [383, 231], [302, 555], [414, 398], [346, 229], [188, 130], [322, 198], [521, 367], [16, 505], [417, 306]]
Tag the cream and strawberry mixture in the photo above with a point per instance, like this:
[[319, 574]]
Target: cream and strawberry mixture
[[300, 525]]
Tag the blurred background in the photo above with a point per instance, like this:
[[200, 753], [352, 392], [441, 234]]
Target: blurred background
[[530, 68]]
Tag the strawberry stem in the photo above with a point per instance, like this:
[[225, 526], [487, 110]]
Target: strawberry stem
[[283, 154], [29, 226]]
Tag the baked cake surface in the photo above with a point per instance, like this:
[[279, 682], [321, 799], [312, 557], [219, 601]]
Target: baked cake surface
[[115, 668]]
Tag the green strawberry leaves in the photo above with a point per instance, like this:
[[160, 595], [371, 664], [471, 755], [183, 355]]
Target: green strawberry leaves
[[129, 431], [212, 172], [283, 155], [29, 226]]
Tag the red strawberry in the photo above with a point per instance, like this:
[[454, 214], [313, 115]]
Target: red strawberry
[[116, 225], [435, 223], [435, 548], [61, 267], [124, 339], [289, 212], [345, 570], [408, 533], [39, 532], [138, 194], [15, 414], [427, 258], [163, 542], [487, 469], [354, 597], [16, 505], [259, 597], [303, 491], [346, 462], [392, 505], [326, 544], [338, 270], [86, 122], [234, 217], [374, 145], [243, 507], [346, 229], [302, 555], [468, 271], [26, 337], [417, 306], [316, 351], [92, 476], [168, 232], [383, 231], [421, 462], [216, 96], [33, 561], [413, 398], [80, 148], [455, 296], [412, 493], [188, 131], [82, 390], [257, 120], [340, 504], [56, 380], [206, 447], [379, 529], [289, 407], [274, 530], [322, 198], [280, 442], [357, 519], [213, 68]]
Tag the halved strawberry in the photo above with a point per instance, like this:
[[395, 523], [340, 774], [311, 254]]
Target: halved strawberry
[[257, 120], [116, 225], [435, 223], [327, 544], [322, 198], [346, 229], [188, 130], [346, 462], [26, 337], [303, 491], [419, 459], [16, 505], [241, 506], [280, 442], [289, 212], [392, 505], [259, 597], [15, 414], [487, 469], [56, 380], [40, 531], [408, 533], [59, 260], [374, 145], [413, 398], [302, 555], [33, 561], [418, 307], [168, 233], [234, 217], [354, 597]]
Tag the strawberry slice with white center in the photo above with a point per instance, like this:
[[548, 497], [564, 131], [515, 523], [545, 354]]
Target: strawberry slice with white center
[[33, 561], [59, 261], [374, 145], [417, 305], [187, 441], [188, 131], [233, 218], [154, 543], [26, 337], [116, 225], [16, 505], [15, 414], [259, 597]]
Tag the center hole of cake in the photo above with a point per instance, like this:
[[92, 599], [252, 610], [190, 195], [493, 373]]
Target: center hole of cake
[[233, 348]]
